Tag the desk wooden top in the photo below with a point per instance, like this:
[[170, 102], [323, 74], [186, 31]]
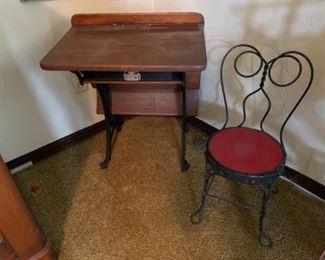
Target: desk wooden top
[[131, 42]]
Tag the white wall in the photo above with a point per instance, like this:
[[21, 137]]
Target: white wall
[[38, 107]]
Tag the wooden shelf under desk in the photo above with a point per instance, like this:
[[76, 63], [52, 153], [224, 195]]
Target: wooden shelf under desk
[[147, 78]]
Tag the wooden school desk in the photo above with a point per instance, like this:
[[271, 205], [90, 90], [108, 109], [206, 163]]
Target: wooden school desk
[[143, 64]]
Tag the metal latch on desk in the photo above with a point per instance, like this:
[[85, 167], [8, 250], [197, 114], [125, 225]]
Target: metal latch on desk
[[132, 76]]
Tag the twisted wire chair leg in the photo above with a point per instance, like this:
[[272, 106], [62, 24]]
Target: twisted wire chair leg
[[196, 217], [264, 239]]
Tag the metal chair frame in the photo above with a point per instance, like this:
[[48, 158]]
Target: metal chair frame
[[267, 179]]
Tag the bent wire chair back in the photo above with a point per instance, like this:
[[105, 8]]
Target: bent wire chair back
[[267, 72]]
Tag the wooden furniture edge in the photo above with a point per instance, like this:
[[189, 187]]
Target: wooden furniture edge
[[175, 18], [17, 224], [46, 253]]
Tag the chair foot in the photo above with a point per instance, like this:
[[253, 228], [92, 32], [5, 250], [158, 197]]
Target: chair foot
[[196, 217], [184, 166], [104, 164], [265, 240]]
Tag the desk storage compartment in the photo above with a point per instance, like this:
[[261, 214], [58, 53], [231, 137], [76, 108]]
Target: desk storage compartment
[[150, 101], [154, 79], [159, 97]]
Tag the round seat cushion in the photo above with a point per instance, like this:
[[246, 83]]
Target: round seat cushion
[[246, 150]]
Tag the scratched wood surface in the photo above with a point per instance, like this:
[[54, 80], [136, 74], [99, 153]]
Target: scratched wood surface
[[143, 42]]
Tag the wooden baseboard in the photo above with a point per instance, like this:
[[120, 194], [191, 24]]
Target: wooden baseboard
[[294, 176], [57, 146], [305, 182], [298, 178], [204, 127]]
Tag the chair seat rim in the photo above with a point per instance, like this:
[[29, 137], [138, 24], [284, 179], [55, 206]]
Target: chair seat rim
[[242, 177], [231, 172]]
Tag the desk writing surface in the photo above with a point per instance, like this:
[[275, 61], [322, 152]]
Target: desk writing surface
[[128, 48], [150, 42]]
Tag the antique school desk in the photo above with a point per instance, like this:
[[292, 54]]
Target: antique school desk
[[143, 64]]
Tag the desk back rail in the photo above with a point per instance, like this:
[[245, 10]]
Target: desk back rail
[[176, 18]]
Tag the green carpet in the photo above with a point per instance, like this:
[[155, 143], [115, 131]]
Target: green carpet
[[139, 207]]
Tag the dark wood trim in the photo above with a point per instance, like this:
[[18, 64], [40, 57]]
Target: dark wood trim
[[175, 18], [294, 176], [201, 125], [305, 182], [58, 145]]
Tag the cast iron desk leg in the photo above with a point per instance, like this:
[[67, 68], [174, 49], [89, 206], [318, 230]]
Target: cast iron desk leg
[[184, 164], [111, 123]]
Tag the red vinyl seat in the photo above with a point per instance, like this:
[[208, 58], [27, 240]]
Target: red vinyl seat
[[246, 150]]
